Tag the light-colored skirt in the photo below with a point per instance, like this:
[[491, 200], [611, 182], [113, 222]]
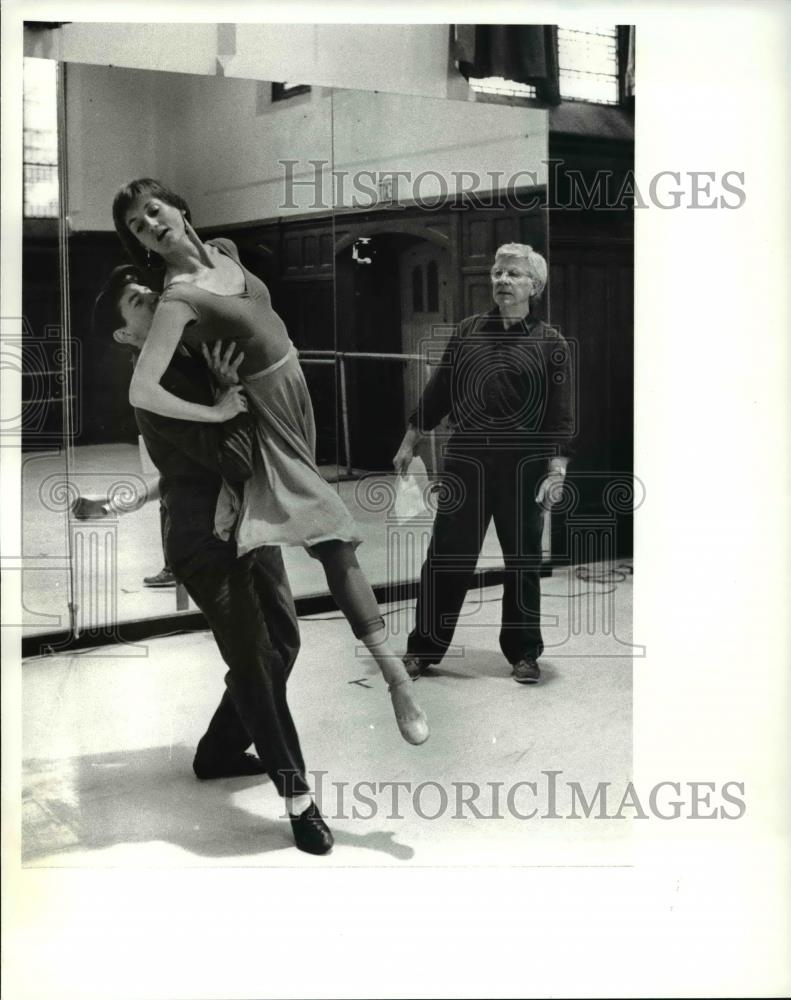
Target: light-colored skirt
[[287, 501]]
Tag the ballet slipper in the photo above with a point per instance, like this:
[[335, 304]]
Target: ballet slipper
[[414, 728]]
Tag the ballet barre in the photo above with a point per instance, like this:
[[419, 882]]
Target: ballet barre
[[318, 357]]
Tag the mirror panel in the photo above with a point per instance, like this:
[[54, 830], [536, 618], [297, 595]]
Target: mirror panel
[[229, 147], [371, 217], [426, 190]]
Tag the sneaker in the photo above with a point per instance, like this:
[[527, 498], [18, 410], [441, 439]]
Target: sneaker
[[311, 833], [526, 671], [164, 578], [414, 666]]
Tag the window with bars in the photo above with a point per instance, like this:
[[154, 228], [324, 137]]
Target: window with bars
[[502, 87], [40, 139], [587, 64]]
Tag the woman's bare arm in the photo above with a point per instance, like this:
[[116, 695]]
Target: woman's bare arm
[[145, 391]]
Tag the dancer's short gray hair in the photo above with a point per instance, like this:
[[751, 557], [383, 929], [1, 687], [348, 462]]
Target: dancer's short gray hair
[[536, 265]]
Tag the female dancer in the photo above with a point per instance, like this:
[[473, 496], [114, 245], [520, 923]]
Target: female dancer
[[208, 295]]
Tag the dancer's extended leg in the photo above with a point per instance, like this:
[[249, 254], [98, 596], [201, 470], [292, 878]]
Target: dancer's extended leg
[[354, 596]]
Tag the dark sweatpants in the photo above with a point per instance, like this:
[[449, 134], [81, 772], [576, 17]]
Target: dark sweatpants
[[248, 605], [479, 486]]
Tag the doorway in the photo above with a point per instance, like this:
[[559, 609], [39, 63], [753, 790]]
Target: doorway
[[393, 299]]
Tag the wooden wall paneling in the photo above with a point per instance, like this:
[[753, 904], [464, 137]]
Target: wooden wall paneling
[[292, 259], [556, 297], [592, 323], [533, 226], [477, 239], [506, 230], [591, 302], [454, 264], [42, 423], [478, 294], [326, 252], [310, 252], [101, 382]]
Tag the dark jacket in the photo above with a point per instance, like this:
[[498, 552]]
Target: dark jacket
[[503, 388], [192, 459]]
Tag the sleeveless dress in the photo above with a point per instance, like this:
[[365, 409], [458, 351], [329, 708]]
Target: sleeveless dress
[[286, 501]]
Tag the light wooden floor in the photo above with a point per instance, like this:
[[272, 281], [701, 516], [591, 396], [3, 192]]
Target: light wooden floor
[[108, 738]]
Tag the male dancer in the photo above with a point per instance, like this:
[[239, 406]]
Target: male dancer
[[246, 601]]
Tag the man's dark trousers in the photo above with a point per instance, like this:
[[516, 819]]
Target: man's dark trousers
[[481, 484], [247, 602], [248, 605]]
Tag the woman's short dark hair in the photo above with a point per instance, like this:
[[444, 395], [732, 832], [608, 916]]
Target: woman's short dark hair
[[107, 316], [124, 200]]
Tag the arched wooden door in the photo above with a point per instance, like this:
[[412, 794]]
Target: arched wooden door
[[425, 317]]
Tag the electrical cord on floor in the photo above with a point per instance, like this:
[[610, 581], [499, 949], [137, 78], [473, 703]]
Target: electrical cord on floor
[[617, 575], [582, 593]]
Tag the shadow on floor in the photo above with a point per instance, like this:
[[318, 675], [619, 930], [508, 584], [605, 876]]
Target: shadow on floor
[[89, 803]]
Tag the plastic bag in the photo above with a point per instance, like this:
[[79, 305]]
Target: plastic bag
[[409, 492]]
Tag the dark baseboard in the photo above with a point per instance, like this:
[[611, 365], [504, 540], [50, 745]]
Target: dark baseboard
[[140, 629]]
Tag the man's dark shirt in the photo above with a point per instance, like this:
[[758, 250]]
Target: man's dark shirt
[[503, 388], [192, 457]]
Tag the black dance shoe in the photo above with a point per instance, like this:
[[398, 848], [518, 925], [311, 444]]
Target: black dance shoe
[[526, 671], [241, 765], [311, 833]]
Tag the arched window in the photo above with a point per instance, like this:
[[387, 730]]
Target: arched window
[[417, 289], [432, 287]]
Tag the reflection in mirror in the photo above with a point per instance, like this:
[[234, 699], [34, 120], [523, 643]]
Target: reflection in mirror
[[47, 362], [382, 211], [219, 144], [426, 191]]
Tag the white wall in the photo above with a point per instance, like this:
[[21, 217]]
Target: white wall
[[392, 132], [111, 128], [178, 48], [402, 58], [211, 139], [224, 145], [218, 142]]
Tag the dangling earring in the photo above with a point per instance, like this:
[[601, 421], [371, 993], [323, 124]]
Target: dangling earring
[[148, 258]]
